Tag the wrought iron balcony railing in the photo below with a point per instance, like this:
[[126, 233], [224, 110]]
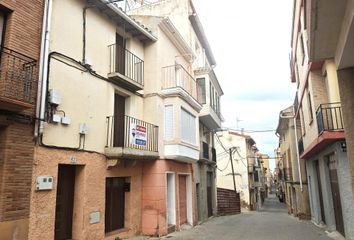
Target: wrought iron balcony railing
[[124, 62], [128, 132], [329, 117], [176, 76], [18, 74]]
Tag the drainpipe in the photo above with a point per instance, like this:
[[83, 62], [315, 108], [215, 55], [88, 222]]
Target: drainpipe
[[43, 67]]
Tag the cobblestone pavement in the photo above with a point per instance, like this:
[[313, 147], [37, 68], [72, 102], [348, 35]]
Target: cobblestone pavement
[[271, 222]]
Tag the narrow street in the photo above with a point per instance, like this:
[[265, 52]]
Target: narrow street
[[272, 222]]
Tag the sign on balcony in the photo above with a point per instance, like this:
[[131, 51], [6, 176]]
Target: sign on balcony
[[138, 134]]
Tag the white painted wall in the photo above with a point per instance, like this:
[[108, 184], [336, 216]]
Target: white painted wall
[[224, 178]]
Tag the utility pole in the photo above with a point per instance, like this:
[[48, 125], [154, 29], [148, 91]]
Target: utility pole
[[232, 168]]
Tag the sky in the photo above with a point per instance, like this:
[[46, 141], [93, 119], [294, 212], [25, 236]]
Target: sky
[[250, 40]]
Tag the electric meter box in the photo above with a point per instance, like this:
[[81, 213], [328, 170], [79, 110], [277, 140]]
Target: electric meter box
[[54, 97], [44, 183]]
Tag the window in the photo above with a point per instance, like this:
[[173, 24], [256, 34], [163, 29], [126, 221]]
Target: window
[[188, 127], [2, 27], [303, 129], [201, 90], [115, 203], [309, 105], [169, 122]]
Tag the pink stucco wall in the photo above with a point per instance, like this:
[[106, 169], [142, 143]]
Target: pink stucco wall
[[89, 196], [154, 202]]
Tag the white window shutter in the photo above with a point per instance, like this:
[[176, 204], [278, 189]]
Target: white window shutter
[[169, 122]]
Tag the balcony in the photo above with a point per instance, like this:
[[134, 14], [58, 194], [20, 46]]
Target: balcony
[[176, 81], [125, 69], [330, 128], [329, 117], [131, 138], [18, 84]]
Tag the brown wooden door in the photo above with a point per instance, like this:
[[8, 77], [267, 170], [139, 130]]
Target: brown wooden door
[[120, 54], [182, 199], [335, 194], [115, 204], [209, 193], [64, 202], [320, 190], [119, 119]]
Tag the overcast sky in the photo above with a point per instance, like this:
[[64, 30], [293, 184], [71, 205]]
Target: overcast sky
[[250, 40]]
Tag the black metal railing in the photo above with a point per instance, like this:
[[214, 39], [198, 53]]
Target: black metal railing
[[300, 145], [128, 132], [176, 76], [18, 76], [213, 154], [126, 63], [205, 150], [329, 117]]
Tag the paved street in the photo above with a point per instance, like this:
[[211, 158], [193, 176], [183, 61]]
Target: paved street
[[272, 222]]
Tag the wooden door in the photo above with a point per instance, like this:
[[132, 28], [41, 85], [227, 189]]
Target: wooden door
[[182, 199], [336, 194], [119, 121], [64, 202], [115, 204], [320, 190], [209, 193], [120, 54]]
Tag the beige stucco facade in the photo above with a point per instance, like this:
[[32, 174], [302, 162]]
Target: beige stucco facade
[[91, 83]]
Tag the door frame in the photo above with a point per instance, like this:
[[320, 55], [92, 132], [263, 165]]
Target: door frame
[[189, 196], [173, 191]]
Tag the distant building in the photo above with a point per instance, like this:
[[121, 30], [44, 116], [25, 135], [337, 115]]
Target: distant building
[[293, 189], [243, 151]]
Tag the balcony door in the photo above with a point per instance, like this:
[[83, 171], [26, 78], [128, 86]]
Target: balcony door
[[120, 54], [119, 124]]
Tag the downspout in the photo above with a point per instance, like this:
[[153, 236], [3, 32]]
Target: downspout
[[42, 86]]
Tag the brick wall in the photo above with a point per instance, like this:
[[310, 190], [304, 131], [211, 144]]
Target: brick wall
[[16, 171], [228, 201], [23, 34], [346, 88]]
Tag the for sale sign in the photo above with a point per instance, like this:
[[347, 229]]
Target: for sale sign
[[138, 134]]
